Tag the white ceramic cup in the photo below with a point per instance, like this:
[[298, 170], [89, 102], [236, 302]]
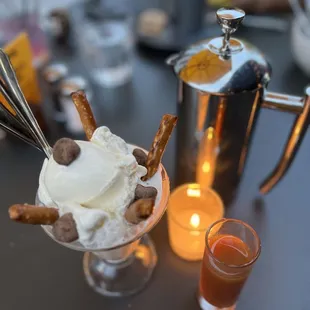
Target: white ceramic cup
[[300, 36], [300, 43]]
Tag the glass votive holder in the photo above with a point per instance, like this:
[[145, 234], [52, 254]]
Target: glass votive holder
[[191, 210]]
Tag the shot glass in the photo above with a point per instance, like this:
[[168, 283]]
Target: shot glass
[[232, 248]]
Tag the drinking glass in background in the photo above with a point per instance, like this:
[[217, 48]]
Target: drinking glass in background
[[300, 34], [106, 41], [232, 248]]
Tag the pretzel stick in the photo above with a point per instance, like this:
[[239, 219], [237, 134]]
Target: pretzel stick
[[29, 214], [86, 114], [161, 139]]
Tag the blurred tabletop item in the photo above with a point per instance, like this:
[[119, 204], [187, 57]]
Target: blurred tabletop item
[[22, 55], [300, 35], [219, 3], [38, 274], [152, 22], [262, 6], [67, 86], [172, 25], [53, 74], [105, 38], [60, 27], [24, 16]]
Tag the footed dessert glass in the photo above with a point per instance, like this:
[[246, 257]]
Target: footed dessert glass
[[126, 268]]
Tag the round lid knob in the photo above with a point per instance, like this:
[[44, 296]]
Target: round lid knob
[[230, 19]]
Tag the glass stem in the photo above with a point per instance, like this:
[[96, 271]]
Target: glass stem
[[118, 255], [226, 45]]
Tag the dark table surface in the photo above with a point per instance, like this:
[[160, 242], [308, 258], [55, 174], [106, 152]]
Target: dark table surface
[[38, 274]]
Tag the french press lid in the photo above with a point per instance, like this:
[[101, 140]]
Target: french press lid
[[223, 65]]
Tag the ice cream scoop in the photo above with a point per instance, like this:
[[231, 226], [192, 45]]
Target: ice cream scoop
[[97, 187]]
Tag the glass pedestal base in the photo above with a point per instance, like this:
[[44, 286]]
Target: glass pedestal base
[[204, 305], [116, 278]]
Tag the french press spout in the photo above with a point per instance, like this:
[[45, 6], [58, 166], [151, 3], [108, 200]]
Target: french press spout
[[221, 91]]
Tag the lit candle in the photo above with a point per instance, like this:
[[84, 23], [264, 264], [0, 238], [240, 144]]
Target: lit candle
[[191, 211]]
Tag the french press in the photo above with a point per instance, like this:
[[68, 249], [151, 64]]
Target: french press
[[222, 87]]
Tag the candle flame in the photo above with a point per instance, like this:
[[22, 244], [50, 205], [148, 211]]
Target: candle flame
[[195, 220], [193, 192]]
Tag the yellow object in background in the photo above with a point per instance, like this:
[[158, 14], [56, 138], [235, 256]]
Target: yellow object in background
[[20, 53], [219, 3]]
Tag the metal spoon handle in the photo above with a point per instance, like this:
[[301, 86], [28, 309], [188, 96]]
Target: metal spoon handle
[[17, 134], [11, 90], [10, 124]]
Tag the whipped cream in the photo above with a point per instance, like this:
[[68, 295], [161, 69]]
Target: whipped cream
[[97, 188]]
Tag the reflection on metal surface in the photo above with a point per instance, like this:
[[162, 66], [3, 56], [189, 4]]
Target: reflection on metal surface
[[230, 47], [220, 118], [298, 132], [202, 109], [252, 119], [209, 148], [282, 102], [205, 68], [206, 160]]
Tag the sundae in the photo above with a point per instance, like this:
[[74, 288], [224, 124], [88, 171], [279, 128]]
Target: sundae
[[99, 193]]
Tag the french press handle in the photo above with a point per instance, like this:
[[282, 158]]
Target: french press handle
[[301, 107]]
